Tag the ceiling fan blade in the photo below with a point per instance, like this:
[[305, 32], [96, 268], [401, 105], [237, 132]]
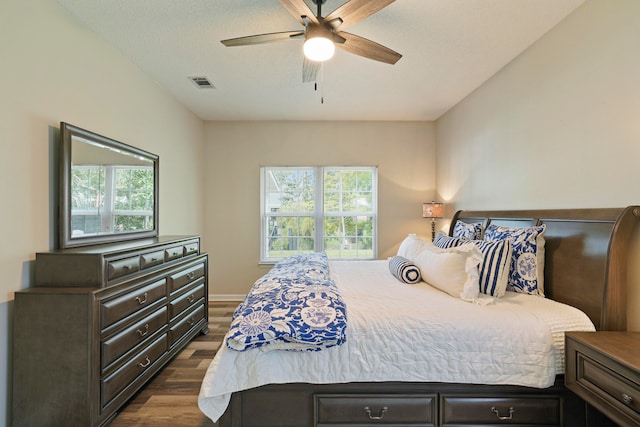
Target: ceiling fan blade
[[262, 38], [298, 9], [356, 10], [310, 70], [368, 49]]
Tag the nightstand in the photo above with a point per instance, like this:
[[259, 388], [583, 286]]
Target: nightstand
[[603, 368]]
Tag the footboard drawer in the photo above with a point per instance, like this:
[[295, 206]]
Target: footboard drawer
[[521, 410], [374, 409]]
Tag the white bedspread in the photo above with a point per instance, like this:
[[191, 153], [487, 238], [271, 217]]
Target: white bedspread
[[400, 332]]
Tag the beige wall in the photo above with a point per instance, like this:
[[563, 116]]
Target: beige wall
[[55, 70], [558, 127], [403, 151]]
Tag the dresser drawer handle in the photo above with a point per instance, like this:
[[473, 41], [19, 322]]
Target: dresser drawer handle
[[191, 298], [380, 415], [146, 363], [192, 321], [146, 330], [627, 399], [191, 275], [126, 267], [142, 300], [503, 417]]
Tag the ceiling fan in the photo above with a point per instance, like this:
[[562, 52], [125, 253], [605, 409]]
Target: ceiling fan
[[322, 34]]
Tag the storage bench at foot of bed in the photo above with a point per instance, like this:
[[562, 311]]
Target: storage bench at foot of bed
[[407, 404]]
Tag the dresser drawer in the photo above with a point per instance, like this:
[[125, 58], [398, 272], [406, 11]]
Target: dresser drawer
[[122, 267], [151, 259], [178, 305], [374, 409], [184, 277], [122, 306], [122, 342], [520, 410], [178, 330], [173, 252], [191, 248], [136, 366]]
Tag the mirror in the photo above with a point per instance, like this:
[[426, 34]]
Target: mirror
[[109, 190]]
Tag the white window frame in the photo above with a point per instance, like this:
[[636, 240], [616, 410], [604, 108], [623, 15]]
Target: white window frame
[[318, 214]]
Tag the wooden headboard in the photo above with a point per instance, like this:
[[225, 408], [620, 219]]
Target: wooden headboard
[[586, 253]]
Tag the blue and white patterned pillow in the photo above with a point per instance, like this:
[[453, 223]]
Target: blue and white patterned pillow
[[443, 241], [494, 268], [404, 270], [526, 274], [462, 230]]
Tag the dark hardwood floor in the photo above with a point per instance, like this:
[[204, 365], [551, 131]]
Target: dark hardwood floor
[[171, 398]]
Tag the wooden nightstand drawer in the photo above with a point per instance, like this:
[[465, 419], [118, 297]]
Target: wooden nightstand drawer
[[599, 378], [603, 369], [520, 410], [374, 409]]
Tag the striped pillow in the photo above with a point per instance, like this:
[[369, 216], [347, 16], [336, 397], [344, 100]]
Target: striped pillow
[[404, 270], [443, 241], [494, 268]]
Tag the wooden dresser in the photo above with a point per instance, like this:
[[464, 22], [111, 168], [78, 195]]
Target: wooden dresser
[[100, 322], [604, 369]]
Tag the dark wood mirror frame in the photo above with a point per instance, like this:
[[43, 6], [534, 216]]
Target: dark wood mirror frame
[[66, 239]]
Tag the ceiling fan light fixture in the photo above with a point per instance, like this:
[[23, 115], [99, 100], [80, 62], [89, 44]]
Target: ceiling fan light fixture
[[319, 49]]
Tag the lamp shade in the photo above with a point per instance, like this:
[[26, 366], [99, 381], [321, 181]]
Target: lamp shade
[[432, 210]]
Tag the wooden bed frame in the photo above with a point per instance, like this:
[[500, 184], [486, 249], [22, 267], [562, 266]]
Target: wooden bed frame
[[586, 254]]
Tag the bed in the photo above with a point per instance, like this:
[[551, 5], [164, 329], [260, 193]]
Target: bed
[[585, 260]]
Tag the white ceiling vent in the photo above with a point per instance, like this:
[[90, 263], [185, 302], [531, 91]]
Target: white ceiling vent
[[202, 82]]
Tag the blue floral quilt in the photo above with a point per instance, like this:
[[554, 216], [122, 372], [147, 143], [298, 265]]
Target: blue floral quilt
[[296, 306]]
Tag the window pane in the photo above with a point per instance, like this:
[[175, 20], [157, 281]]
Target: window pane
[[290, 190], [289, 235], [349, 236]]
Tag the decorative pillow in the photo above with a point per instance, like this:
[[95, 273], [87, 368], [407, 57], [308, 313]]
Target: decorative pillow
[[411, 246], [443, 241], [494, 268], [526, 273], [462, 230], [454, 270], [404, 270]]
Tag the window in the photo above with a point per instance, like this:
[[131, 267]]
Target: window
[[312, 209]]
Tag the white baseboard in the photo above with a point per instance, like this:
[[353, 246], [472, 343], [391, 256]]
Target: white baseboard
[[226, 297]]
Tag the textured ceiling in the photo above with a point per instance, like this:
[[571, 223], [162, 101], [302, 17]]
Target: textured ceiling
[[449, 48]]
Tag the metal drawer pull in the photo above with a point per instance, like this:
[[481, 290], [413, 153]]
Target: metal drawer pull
[[191, 298], [191, 275], [126, 267], [142, 300], [503, 417], [627, 399], [146, 363], [191, 321], [367, 410], [146, 330]]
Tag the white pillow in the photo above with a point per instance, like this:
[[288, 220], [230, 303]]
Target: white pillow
[[453, 270], [412, 245]]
